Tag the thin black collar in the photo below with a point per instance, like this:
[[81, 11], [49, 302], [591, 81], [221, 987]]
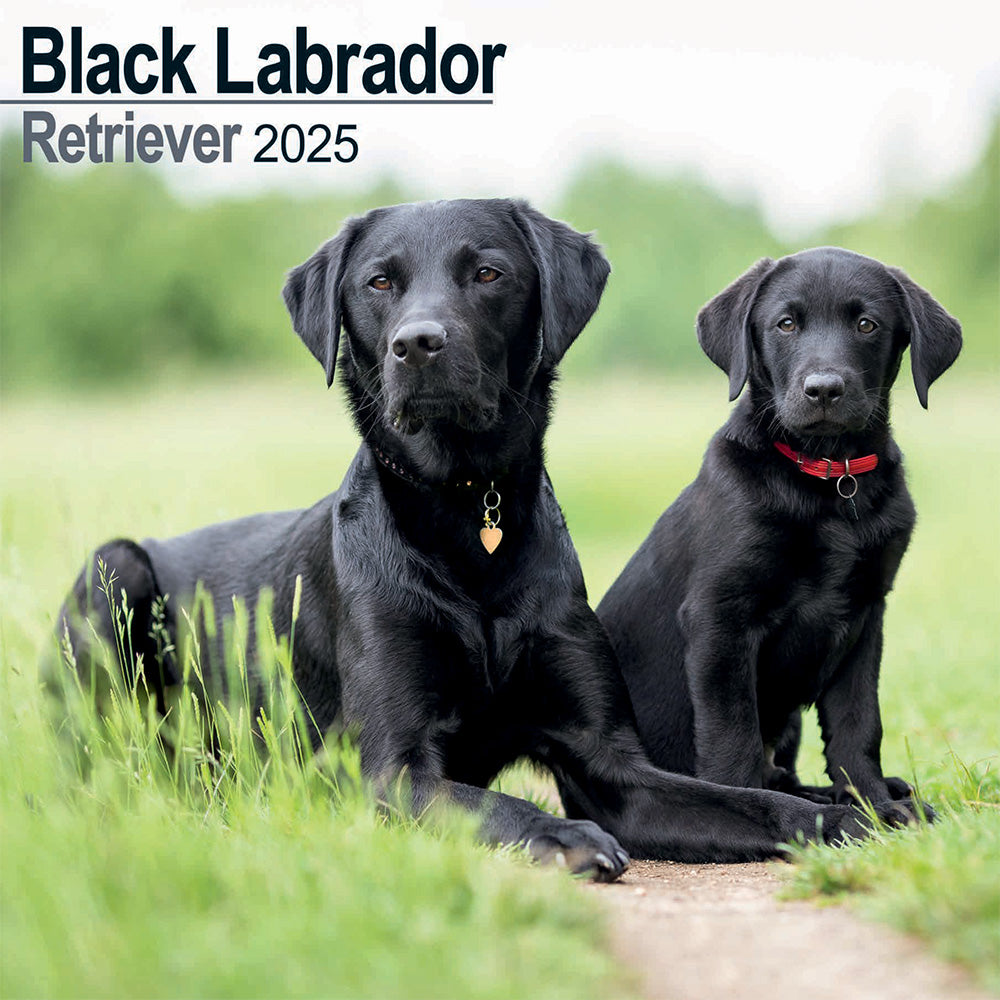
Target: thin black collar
[[397, 468]]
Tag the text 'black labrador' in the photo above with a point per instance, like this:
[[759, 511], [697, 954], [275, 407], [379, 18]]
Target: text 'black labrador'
[[443, 611], [762, 588]]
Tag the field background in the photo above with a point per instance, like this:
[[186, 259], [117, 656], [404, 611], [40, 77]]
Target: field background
[[86, 468], [176, 394]]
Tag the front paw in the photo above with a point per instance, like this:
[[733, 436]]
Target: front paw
[[899, 789], [909, 811], [895, 792], [841, 822], [779, 779], [579, 845]]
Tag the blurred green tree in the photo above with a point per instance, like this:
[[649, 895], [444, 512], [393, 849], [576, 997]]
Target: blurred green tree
[[106, 273]]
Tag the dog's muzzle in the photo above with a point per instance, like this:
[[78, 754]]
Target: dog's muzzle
[[825, 402], [418, 344]]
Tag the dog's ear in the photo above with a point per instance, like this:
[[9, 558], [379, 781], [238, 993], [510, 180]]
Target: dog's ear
[[312, 296], [935, 336], [572, 272], [724, 325]]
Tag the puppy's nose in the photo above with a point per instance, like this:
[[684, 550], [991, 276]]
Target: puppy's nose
[[417, 343], [823, 387]]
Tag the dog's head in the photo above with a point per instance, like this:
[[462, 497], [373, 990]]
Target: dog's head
[[821, 333], [455, 314]]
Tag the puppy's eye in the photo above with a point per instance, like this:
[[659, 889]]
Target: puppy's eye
[[786, 324], [866, 325], [487, 274], [381, 283]]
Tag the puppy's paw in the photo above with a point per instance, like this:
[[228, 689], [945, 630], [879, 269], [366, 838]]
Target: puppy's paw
[[898, 788], [906, 811], [841, 822], [780, 779], [813, 794], [579, 845], [894, 802]]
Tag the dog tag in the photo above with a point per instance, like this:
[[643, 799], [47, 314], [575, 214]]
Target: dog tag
[[490, 537]]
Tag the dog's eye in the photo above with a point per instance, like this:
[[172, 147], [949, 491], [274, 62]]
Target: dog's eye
[[866, 325], [487, 274], [381, 283], [786, 324]]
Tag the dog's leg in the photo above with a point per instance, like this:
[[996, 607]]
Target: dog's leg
[[655, 814], [604, 775], [850, 719], [577, 844], [779, 765], [786, 750], [851, 723], [401, 740], [111, 605], [720, 663]]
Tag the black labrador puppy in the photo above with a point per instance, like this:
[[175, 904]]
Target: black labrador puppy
[[443, 611], [762, 588]]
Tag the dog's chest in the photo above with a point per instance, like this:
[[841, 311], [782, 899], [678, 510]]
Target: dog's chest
[[487, 695], [823, 583]]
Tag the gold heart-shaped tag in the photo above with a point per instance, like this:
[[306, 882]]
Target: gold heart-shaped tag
[[490, 537]]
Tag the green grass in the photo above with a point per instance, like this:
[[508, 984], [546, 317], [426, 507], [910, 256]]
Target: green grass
[[268, 876], [137, 872], [145, 879], [939, 883]]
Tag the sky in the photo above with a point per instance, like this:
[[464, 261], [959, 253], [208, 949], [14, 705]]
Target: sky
[[817, 111]]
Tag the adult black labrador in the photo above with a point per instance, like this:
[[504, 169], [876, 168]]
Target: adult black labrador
[[443, 611], [762, 588]]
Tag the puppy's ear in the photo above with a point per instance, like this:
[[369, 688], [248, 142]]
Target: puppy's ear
[[935, 337], [312, 296], [724, 325], [572, 273]]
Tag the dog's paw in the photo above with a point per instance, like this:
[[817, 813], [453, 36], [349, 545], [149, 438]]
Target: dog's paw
[[813, 794], [579, 845], [841, 822], [906, 811], [780, 779], [899, 788], [896, 805], [844, 823]]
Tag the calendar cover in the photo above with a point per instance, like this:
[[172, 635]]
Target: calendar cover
[[210, 311]]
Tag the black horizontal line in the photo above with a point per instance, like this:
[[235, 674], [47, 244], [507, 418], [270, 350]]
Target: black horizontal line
[[266, 101]]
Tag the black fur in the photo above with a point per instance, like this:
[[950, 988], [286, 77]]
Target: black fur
[[761, 590], [450, 661]]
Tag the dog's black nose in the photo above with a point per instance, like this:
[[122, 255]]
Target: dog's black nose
[[823, 387], [417, 343]]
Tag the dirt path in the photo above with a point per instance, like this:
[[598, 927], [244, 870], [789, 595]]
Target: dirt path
[[700, 932]]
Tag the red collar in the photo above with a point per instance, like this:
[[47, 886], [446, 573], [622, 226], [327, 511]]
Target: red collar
[[826, 468]]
